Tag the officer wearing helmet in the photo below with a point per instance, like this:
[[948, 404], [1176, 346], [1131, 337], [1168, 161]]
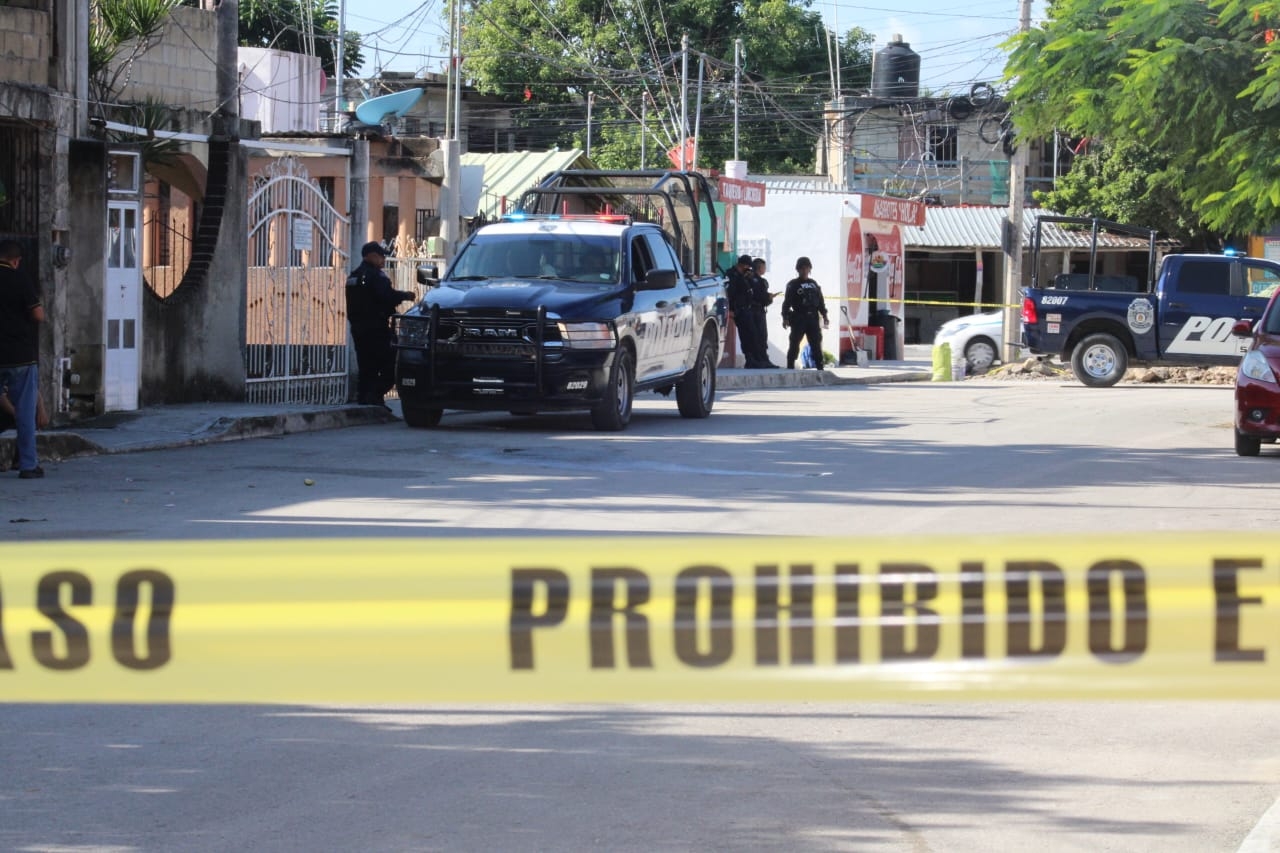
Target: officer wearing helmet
[[803, 306]]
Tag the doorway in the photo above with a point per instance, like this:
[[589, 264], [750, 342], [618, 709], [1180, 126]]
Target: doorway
[[122, 304]]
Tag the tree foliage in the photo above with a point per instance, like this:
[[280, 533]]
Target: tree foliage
[[299, 26], [549, 57], [1127, 182], [120, 31], [1193, 84]]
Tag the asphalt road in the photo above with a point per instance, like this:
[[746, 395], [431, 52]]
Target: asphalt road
[[978, 457]]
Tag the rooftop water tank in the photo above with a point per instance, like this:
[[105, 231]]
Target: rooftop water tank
[[895, 71]]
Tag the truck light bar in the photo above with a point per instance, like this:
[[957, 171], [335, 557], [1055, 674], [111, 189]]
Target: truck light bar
[[616, 218]]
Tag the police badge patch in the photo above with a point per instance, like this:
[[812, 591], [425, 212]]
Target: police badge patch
[[1141, 316]]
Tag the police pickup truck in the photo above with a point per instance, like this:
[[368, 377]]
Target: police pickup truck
[[1184, 319], [542, 311]]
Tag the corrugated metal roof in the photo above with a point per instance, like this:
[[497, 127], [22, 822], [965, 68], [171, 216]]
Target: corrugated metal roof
[[487, 179], [980, 227], [956, 228]]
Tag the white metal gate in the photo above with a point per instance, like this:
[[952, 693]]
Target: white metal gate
[[296, 328]]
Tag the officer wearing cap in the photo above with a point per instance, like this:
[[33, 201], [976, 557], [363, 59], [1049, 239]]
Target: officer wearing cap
[[738, 291], [371, 301]]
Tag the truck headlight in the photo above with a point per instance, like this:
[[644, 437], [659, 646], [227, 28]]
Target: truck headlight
[[586, 335], [413, 331], [1255, 367]]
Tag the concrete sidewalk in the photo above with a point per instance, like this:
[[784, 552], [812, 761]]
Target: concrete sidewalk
[[190, 424]]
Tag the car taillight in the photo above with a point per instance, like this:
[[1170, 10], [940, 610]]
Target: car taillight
[[1028, 311]]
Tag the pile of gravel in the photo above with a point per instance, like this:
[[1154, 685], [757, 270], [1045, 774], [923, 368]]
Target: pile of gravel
[[1038, 369]]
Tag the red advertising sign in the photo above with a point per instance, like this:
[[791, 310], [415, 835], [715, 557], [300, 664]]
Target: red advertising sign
[[903, 211], [747, 193]]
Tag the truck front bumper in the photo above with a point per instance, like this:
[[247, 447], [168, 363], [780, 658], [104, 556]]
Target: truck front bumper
[[566, 381]]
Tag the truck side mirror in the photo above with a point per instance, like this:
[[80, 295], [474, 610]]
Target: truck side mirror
[[1242, 329], [657, 280], [428, 274]]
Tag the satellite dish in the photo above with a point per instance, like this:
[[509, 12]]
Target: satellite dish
[[374, 110]]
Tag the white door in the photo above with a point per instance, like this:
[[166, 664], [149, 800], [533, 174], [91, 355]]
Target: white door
[[123, 307]]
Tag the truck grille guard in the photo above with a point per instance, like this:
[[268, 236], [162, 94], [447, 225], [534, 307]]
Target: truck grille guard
[[524, 337]]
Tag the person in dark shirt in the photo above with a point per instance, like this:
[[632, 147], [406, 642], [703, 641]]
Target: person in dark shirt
[[802, 306], [761, 299], [371, 301], [738, 291], [21, 314]]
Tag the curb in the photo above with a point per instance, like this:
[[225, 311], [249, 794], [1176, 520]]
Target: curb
[[60, 444], [747, 380]]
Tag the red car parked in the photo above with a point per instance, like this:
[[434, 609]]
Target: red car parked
[[1257, 386]]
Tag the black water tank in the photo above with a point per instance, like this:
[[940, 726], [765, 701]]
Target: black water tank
[[895, 71]]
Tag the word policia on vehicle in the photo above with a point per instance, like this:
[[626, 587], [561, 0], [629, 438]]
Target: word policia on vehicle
[[665, 619]]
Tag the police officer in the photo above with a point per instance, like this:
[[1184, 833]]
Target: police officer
[[370, 303], [761, 299], [802, 305], [738, 290]]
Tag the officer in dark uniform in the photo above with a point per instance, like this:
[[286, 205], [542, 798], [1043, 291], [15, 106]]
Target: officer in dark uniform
[[738, 290], [370, 303], [761, 299], [802, 305]]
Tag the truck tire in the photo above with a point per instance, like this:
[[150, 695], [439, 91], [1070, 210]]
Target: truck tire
[[613, 412], [1247, 445], [420, 417], [1100, 360], [696, 390]]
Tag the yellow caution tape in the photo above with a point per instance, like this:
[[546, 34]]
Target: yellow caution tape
[[926, 302], [632, 619]]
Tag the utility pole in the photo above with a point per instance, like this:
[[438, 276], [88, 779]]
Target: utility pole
[[338, 50], [1012, 237], [684, 97], [591, 102], [644, 126], [737, 88]]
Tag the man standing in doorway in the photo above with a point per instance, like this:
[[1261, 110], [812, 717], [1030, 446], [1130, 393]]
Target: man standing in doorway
[[21, 314], [370, 303]]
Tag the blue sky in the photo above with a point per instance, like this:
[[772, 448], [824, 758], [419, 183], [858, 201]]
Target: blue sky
[[957, 42]]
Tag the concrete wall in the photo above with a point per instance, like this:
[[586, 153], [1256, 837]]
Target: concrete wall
[[193, 348], [25, 39], [788, 226], [79, 292], [280, 90], [180, 70]]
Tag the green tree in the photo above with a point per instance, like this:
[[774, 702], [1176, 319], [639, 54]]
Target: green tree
[[549, 58], [120, 31], [299, 26], [1195, 83], [1127, 182]]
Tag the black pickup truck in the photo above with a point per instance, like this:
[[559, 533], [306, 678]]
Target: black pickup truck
[[565, 311], [1101, 324]]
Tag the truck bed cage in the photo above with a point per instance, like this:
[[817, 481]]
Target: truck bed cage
[[1096, 224], [620, 191]]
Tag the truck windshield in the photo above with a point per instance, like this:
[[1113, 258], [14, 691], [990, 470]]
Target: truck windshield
[[584, 258]]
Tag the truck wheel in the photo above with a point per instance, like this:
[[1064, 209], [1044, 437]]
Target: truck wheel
[[696, 390], [1100, 360], [419, 417], [613, 412], [1247, 445], [980, 353]]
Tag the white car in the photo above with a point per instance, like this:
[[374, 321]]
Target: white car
[[977, 337]]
